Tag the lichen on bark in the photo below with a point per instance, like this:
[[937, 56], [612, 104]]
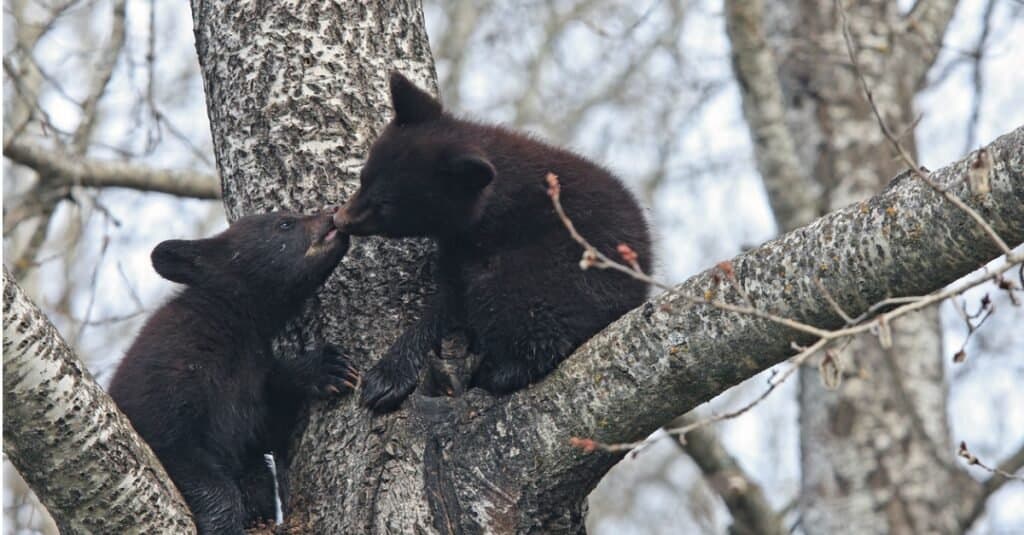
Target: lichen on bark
[[69, 441], [296, 91]]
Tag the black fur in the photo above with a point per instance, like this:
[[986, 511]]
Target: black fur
[[508, 268], [200, 384]]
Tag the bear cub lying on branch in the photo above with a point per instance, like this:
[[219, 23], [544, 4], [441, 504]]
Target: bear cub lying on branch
[[200, 384], [508, 269]]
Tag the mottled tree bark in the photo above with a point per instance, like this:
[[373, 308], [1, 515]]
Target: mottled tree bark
[[68, 440], [477, 463], [296, 91], [877, 456]]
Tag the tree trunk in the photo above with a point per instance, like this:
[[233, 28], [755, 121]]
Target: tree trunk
[[505, 464], [876, 454], [68, 440], [296, 92]]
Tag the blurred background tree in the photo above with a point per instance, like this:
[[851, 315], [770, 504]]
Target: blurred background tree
[[96, 91]]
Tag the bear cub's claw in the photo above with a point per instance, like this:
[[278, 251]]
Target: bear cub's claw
[[387, 385], [336, 375]]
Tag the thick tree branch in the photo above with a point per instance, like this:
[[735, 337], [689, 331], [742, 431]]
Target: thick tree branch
[[290, 135], [669, 355], [791, 192], [107, 174], [672, 354], [70, 442]]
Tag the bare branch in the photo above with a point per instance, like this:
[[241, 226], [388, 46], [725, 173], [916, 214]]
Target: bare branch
[[105, 174], [791, 192], [985, 310], [69, 440], [26, 257], [973, 460], [743, 496], [26, 78], [593, 258]]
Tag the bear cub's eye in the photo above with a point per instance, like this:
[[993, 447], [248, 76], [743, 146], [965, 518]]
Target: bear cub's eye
[[286, 225]]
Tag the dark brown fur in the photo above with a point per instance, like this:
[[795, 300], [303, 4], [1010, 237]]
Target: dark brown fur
[[200, 383], [508, 268]]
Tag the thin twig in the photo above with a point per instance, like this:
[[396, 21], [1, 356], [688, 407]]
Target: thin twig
[[1011, 464], [593, 258], [985, 311], [974, 461], [94, 286], [831, 301]]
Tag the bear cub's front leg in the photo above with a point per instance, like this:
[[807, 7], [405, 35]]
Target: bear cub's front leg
[[397, 373], [395, 376]]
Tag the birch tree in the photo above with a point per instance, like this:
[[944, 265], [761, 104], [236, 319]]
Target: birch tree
[[822, 82], [296, 91]]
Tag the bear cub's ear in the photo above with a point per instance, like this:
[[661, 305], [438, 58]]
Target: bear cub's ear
[[411, 104], [471, 172], [178, 260]]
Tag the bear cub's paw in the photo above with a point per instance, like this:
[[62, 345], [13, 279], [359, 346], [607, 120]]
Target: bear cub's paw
[[388, 383], [322, 373], [337, 375]]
